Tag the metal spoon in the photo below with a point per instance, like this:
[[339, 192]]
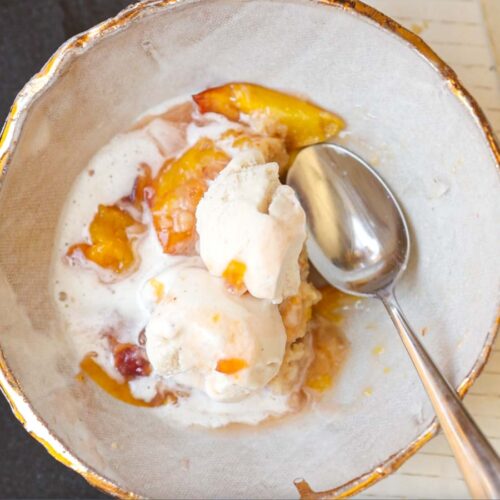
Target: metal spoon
[[359, 242]]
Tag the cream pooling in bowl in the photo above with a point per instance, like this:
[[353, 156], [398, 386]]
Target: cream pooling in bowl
[[94, 307]]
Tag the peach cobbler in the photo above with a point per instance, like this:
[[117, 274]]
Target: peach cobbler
[[181, 270]]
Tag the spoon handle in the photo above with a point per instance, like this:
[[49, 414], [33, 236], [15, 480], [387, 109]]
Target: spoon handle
[[477, 459]]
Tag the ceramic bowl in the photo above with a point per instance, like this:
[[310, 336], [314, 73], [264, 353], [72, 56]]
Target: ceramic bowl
[[406, 112]]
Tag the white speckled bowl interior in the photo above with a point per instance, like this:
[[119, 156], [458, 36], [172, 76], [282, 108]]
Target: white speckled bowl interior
[[402, 114]]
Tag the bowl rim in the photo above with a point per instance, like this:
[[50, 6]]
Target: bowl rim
[[12, 128]]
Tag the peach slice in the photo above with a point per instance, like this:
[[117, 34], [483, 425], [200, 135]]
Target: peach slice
[[334, 304], [90, 368], [158, 289], [178, 188], [304, 123], [230, 366], [112, 232], [234, 276]]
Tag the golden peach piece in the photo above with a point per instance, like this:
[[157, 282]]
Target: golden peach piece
[[234, 276], [304, 123], [333, 304], [111, 238], [119, 390], [230, 366], [320, 383], [178, 188], [158, 289], [220, 100]]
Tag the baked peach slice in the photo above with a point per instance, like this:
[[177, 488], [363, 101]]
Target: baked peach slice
[[299, 121], [234, 276], [112, 233], [178, 188], [230, 366], [91, 369]]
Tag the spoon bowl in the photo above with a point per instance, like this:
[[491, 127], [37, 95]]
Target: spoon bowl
[[358, 237]]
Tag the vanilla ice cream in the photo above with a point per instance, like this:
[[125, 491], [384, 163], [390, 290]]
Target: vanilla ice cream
[[249, 217], [204, 343], [201, 336]]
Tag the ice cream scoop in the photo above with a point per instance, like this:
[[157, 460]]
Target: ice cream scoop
[[202, 336], [248, 219]]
